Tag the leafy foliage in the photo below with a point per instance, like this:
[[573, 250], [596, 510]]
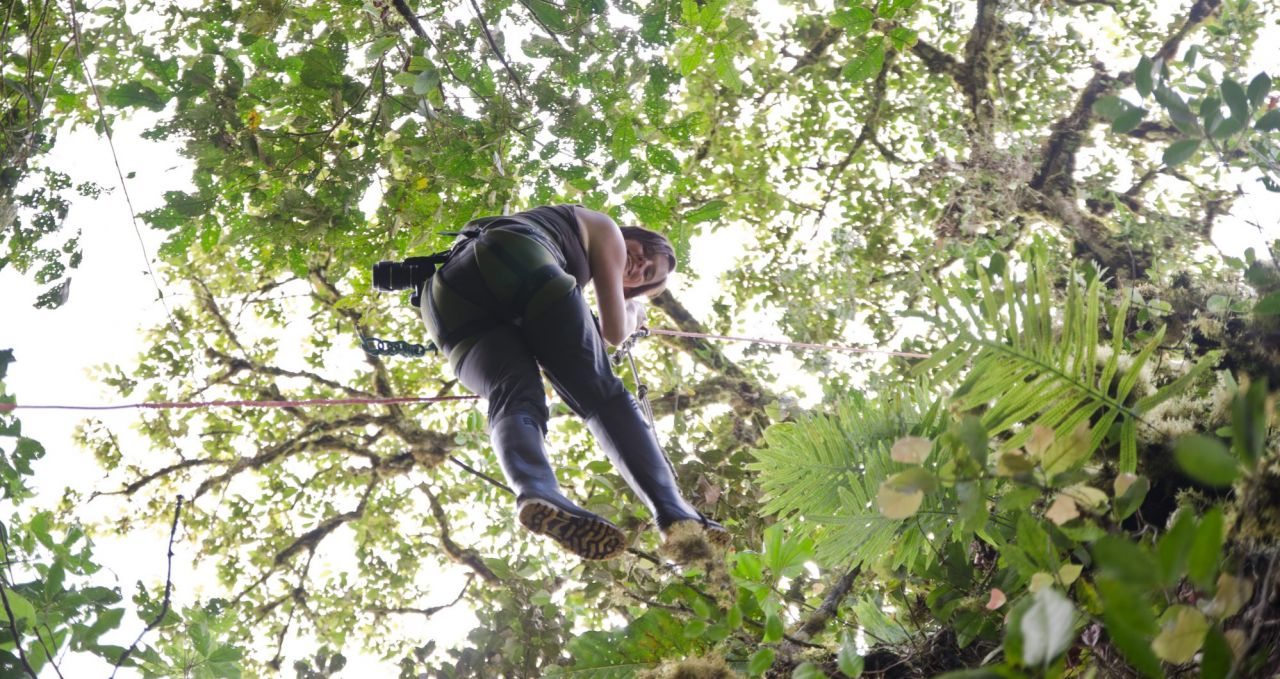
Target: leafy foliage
[[1037, 368], [855, 163], [826, 470]]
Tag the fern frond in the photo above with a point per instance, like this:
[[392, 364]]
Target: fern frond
[[1029, 358], [825, 471]]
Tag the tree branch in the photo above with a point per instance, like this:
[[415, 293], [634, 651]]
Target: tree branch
[[168, 588], [493, 45], [1058, 154], [829, 35], [467, 557], [427, 612], [812, 625]]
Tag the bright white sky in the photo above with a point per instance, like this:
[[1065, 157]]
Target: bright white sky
[[112, 297]]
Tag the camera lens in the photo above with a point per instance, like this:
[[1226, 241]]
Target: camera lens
[[390, 276]]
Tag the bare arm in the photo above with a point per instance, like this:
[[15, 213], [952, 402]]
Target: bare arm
[[607, 257]]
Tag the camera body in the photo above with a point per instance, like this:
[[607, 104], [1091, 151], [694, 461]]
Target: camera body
[[389, 276]]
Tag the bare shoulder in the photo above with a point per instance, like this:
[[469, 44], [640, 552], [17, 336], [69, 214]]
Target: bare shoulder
[[597, 229]]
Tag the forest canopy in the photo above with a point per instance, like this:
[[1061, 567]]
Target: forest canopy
[[1073, 470]]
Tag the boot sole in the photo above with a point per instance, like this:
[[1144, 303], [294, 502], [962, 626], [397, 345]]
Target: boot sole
[[591, 539]]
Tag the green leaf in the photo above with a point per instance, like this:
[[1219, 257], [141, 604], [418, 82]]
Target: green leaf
[[747, 565], [320, 69], [1206, 460], [1142, 76], [773, 630], [903, 38], [22, 609], [1130, 625], [662, 159], [649, 210], [1218, 656], [1179, 151], [135, 94], [1131, 498], [867, 63], [1111, 107], [1174, 545], [785, 556], [807, 670], [760, 661], [1068, 451], [900, 496], [1125, 561], [1259, 87], [550, 14], [1047, 628], [855, 20], [709, 211], [1206, 549], [848, 660], [1128, 120], [1181, 635], [1269, 121], [1236, 99], [1268, 305]]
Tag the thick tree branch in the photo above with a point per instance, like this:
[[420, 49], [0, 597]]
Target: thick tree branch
[[816, 621], [829, 35], [1199, 11], [936, 60], [312, 538], [1058, 154], [975, 79]]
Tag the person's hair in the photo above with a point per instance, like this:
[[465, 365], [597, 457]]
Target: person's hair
[[654, 245]]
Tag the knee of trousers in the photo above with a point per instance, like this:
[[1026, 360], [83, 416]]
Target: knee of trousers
[[610, 396], [506, 405]]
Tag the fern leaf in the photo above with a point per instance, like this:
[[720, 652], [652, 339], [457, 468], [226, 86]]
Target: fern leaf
[[827, 469]]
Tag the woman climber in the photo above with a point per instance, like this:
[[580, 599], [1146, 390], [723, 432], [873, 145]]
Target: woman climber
[[509, 300]]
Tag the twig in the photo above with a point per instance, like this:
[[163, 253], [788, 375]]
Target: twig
[[168, 588], [493, 44], [13, 625], [481, 474], [1264, 598], [432, 610]]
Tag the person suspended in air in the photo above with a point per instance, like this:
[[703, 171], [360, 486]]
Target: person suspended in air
[[508, 300]]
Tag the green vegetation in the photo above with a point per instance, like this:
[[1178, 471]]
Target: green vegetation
[[1082, 480]]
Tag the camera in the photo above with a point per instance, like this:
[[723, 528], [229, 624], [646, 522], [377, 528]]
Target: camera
[[412, 273]]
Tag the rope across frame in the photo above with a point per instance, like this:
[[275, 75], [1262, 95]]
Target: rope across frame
[[410, 400]]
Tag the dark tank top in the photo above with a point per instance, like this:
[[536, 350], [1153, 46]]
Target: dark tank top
[[560, 224]]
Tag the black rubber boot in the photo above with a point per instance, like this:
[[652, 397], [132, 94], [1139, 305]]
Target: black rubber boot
[[633, 449], [540, 507]]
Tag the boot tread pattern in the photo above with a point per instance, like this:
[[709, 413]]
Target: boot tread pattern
[[590, 538]]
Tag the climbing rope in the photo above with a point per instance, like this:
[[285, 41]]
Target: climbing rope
[[642, 389], [188, 405], [782, 343], [380, 347]]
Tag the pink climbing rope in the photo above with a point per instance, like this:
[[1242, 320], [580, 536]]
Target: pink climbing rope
[[782, 343], [404, 400], [186, 405]]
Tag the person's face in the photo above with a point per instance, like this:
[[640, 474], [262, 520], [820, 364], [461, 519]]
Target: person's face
[[642, 269]]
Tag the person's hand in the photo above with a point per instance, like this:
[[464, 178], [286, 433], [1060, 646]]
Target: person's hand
[[636, 314]]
